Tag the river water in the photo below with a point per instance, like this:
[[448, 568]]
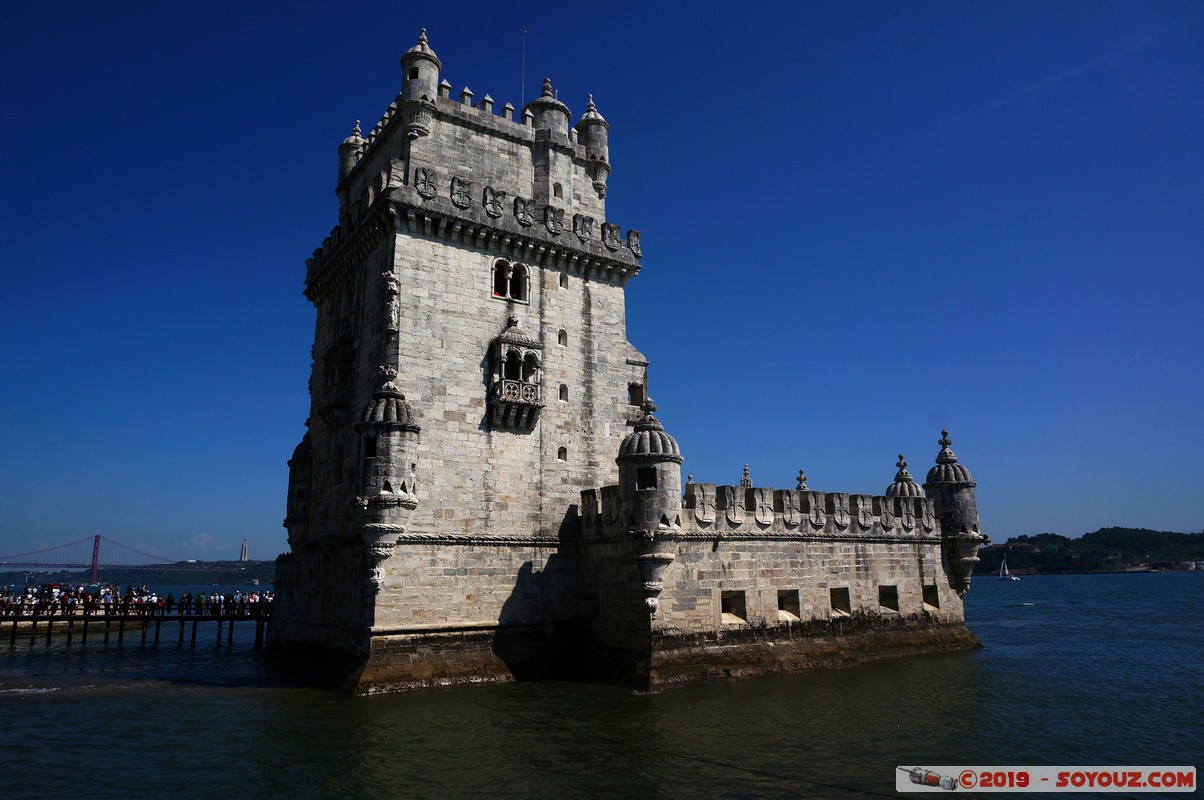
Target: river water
[[1075, 670]]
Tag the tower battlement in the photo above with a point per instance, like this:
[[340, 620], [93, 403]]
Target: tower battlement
[[471, 373]]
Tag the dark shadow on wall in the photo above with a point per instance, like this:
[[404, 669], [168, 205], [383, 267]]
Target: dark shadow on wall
[[540, 624]]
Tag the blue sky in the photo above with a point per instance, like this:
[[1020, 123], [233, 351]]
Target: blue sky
[[862, 221]]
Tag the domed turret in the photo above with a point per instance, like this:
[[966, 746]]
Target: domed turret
[[904, 485], [349, 152], [548, 112], [592, 132], [419, 87], [420, 71], [387, 431], [947, 470], [300, 472], [952, 491], [650, 494]]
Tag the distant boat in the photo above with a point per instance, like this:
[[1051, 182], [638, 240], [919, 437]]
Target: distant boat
[[1004, 575]]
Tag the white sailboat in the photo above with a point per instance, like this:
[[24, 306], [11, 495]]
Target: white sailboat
[[1004, 575]]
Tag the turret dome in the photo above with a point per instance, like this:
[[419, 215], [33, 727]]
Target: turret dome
[[591, 114], [947, 470], [422, 49], [649, 441], [388, 407], [904, 485]]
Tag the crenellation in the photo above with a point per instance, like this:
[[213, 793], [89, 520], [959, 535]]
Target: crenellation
[[453, 512]]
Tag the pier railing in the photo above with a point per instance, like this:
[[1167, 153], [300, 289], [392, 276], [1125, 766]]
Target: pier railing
[[30, 622]]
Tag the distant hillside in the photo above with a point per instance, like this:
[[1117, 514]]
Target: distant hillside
[[1105, 550], [197, 572]]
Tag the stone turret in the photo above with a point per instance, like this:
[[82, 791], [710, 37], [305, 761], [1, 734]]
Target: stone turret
[[349, 153], [951, 488], [300, 472], [419, 87], [388, 440], [650, 495], [904, 485], [547, 112], [593, 132]]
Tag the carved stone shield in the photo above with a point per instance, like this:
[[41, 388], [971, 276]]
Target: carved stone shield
[[816, 516], [734, 503], [704, 502], [493, 201], [633, 242], [553, 218], [763, 506], [790, 508], [583, 226], [840, 509], [461, 192], [926, 518], [522, 212], [610, 236], [424, 182], [909, 513], [888, 512], [610, 505], [865, 512], [589, 508]]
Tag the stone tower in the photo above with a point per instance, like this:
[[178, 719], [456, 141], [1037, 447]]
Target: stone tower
[[952, 491], [483, 492], [471, 374]]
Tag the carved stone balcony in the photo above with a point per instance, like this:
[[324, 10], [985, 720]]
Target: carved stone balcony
[[516, 404]]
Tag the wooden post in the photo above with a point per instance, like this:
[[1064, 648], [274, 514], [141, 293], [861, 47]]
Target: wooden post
[[144, 627], [181, 642], [193, 642], [219, 632], [12, 638], [259, 633], [108, 624], [70, 629], [33, 632], [158, 623], [121, 629], [230, 633]]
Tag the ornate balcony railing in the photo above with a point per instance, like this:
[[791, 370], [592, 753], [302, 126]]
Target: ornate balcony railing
[[516, 404]]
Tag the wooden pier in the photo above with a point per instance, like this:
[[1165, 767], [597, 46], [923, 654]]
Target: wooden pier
[[117, 628]]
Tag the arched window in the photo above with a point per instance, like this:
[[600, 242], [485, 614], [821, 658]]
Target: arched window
[[512, 370], [564, 280], [562, 338], [511, 281], [518, 283], [564, 393], [557, 191], [562, 454], [530, 368], [501, 278]]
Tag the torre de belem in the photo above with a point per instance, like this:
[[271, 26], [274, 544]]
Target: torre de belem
[[484, 492]]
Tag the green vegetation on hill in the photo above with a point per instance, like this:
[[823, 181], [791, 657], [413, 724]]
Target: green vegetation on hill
[[194, 573], [1105, 550]]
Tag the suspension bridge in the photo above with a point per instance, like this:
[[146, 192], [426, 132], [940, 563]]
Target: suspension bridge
[[75, 555]]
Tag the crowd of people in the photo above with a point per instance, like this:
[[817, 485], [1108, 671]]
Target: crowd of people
[[65, 600]]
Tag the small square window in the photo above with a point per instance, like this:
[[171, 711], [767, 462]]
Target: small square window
[[788, 605], [731, 605], [841, 607], [888, 597]]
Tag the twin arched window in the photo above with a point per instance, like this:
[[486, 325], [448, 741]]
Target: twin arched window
[[511, 281], [517, 368]]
